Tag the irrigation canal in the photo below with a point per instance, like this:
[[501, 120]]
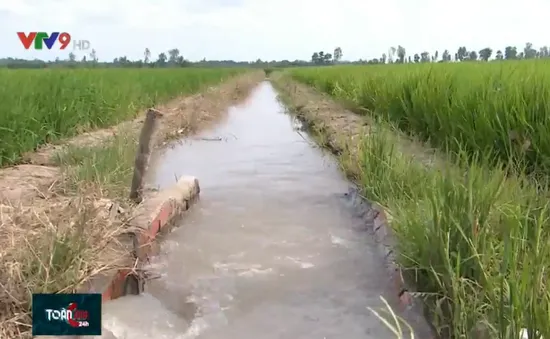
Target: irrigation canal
[[273, 249]]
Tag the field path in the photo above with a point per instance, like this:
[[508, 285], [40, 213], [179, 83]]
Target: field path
[[276, 248]]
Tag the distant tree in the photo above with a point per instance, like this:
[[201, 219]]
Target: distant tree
[[529, 52], [462, 53], [472, 56], [123, 61], [391, 54], [315, 58], [446, 56], [424, 57], [499, 55], [321, 56], [416, 58], [510, 53], [436, 55], [410, 59], [401, 54], [146, 55], [173, 55], [162, 59], [93, 55], [72, 57], [485, 54], [337, 54], [384, 58], [84, 59], [544, 52]]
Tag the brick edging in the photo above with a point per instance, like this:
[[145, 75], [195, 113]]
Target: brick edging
[[159, 211]]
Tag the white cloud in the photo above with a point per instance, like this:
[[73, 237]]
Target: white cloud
[[283, 29]]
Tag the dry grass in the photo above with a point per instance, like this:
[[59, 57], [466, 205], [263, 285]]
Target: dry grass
[[392, 321], [60, 224], [66, 235], [51, 248]]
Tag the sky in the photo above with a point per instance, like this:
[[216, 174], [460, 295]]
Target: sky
[[246, 30]]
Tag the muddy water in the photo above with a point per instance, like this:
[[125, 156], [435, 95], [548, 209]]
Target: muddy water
[[274, 248]]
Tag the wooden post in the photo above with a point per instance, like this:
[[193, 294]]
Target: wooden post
[[142, 155]]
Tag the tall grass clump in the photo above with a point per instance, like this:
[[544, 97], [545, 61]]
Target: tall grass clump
[[41, 106], [474, 238], [497, 108]]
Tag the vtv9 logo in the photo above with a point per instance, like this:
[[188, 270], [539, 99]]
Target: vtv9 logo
[[42, 38]]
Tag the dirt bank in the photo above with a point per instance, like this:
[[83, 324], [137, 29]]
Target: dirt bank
[[62, 212], [334, 127]]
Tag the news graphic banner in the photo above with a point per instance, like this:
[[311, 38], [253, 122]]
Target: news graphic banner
[[66, 314], [61, 40]]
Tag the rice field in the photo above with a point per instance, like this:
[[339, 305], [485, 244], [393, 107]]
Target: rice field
[[499, 108], [473, 234], [41, 106]]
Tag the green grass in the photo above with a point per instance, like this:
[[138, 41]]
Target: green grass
[[108, 167], [500, 108], [474, 239], [41, 106], [473, 230]]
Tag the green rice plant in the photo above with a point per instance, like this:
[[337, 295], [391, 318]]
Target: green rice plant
[[472, 228], [498, 108], [470, 235], [42, 106]]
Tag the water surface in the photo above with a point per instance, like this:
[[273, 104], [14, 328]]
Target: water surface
[[273, 249]]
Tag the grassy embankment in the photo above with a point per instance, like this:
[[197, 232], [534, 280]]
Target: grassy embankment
[[475, 231], [63, 237], [41, 106]]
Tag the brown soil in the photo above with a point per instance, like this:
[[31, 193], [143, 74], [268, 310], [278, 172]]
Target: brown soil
[[33, 203], [335, 127], [339, 128]]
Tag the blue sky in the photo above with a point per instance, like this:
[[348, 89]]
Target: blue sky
[[268, 29]]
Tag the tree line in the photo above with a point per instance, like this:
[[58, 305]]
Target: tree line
[[171, 58], [399, 55], [174, 58]]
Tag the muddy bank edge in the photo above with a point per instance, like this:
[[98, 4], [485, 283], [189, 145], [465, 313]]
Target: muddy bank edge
[[340, 130]]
